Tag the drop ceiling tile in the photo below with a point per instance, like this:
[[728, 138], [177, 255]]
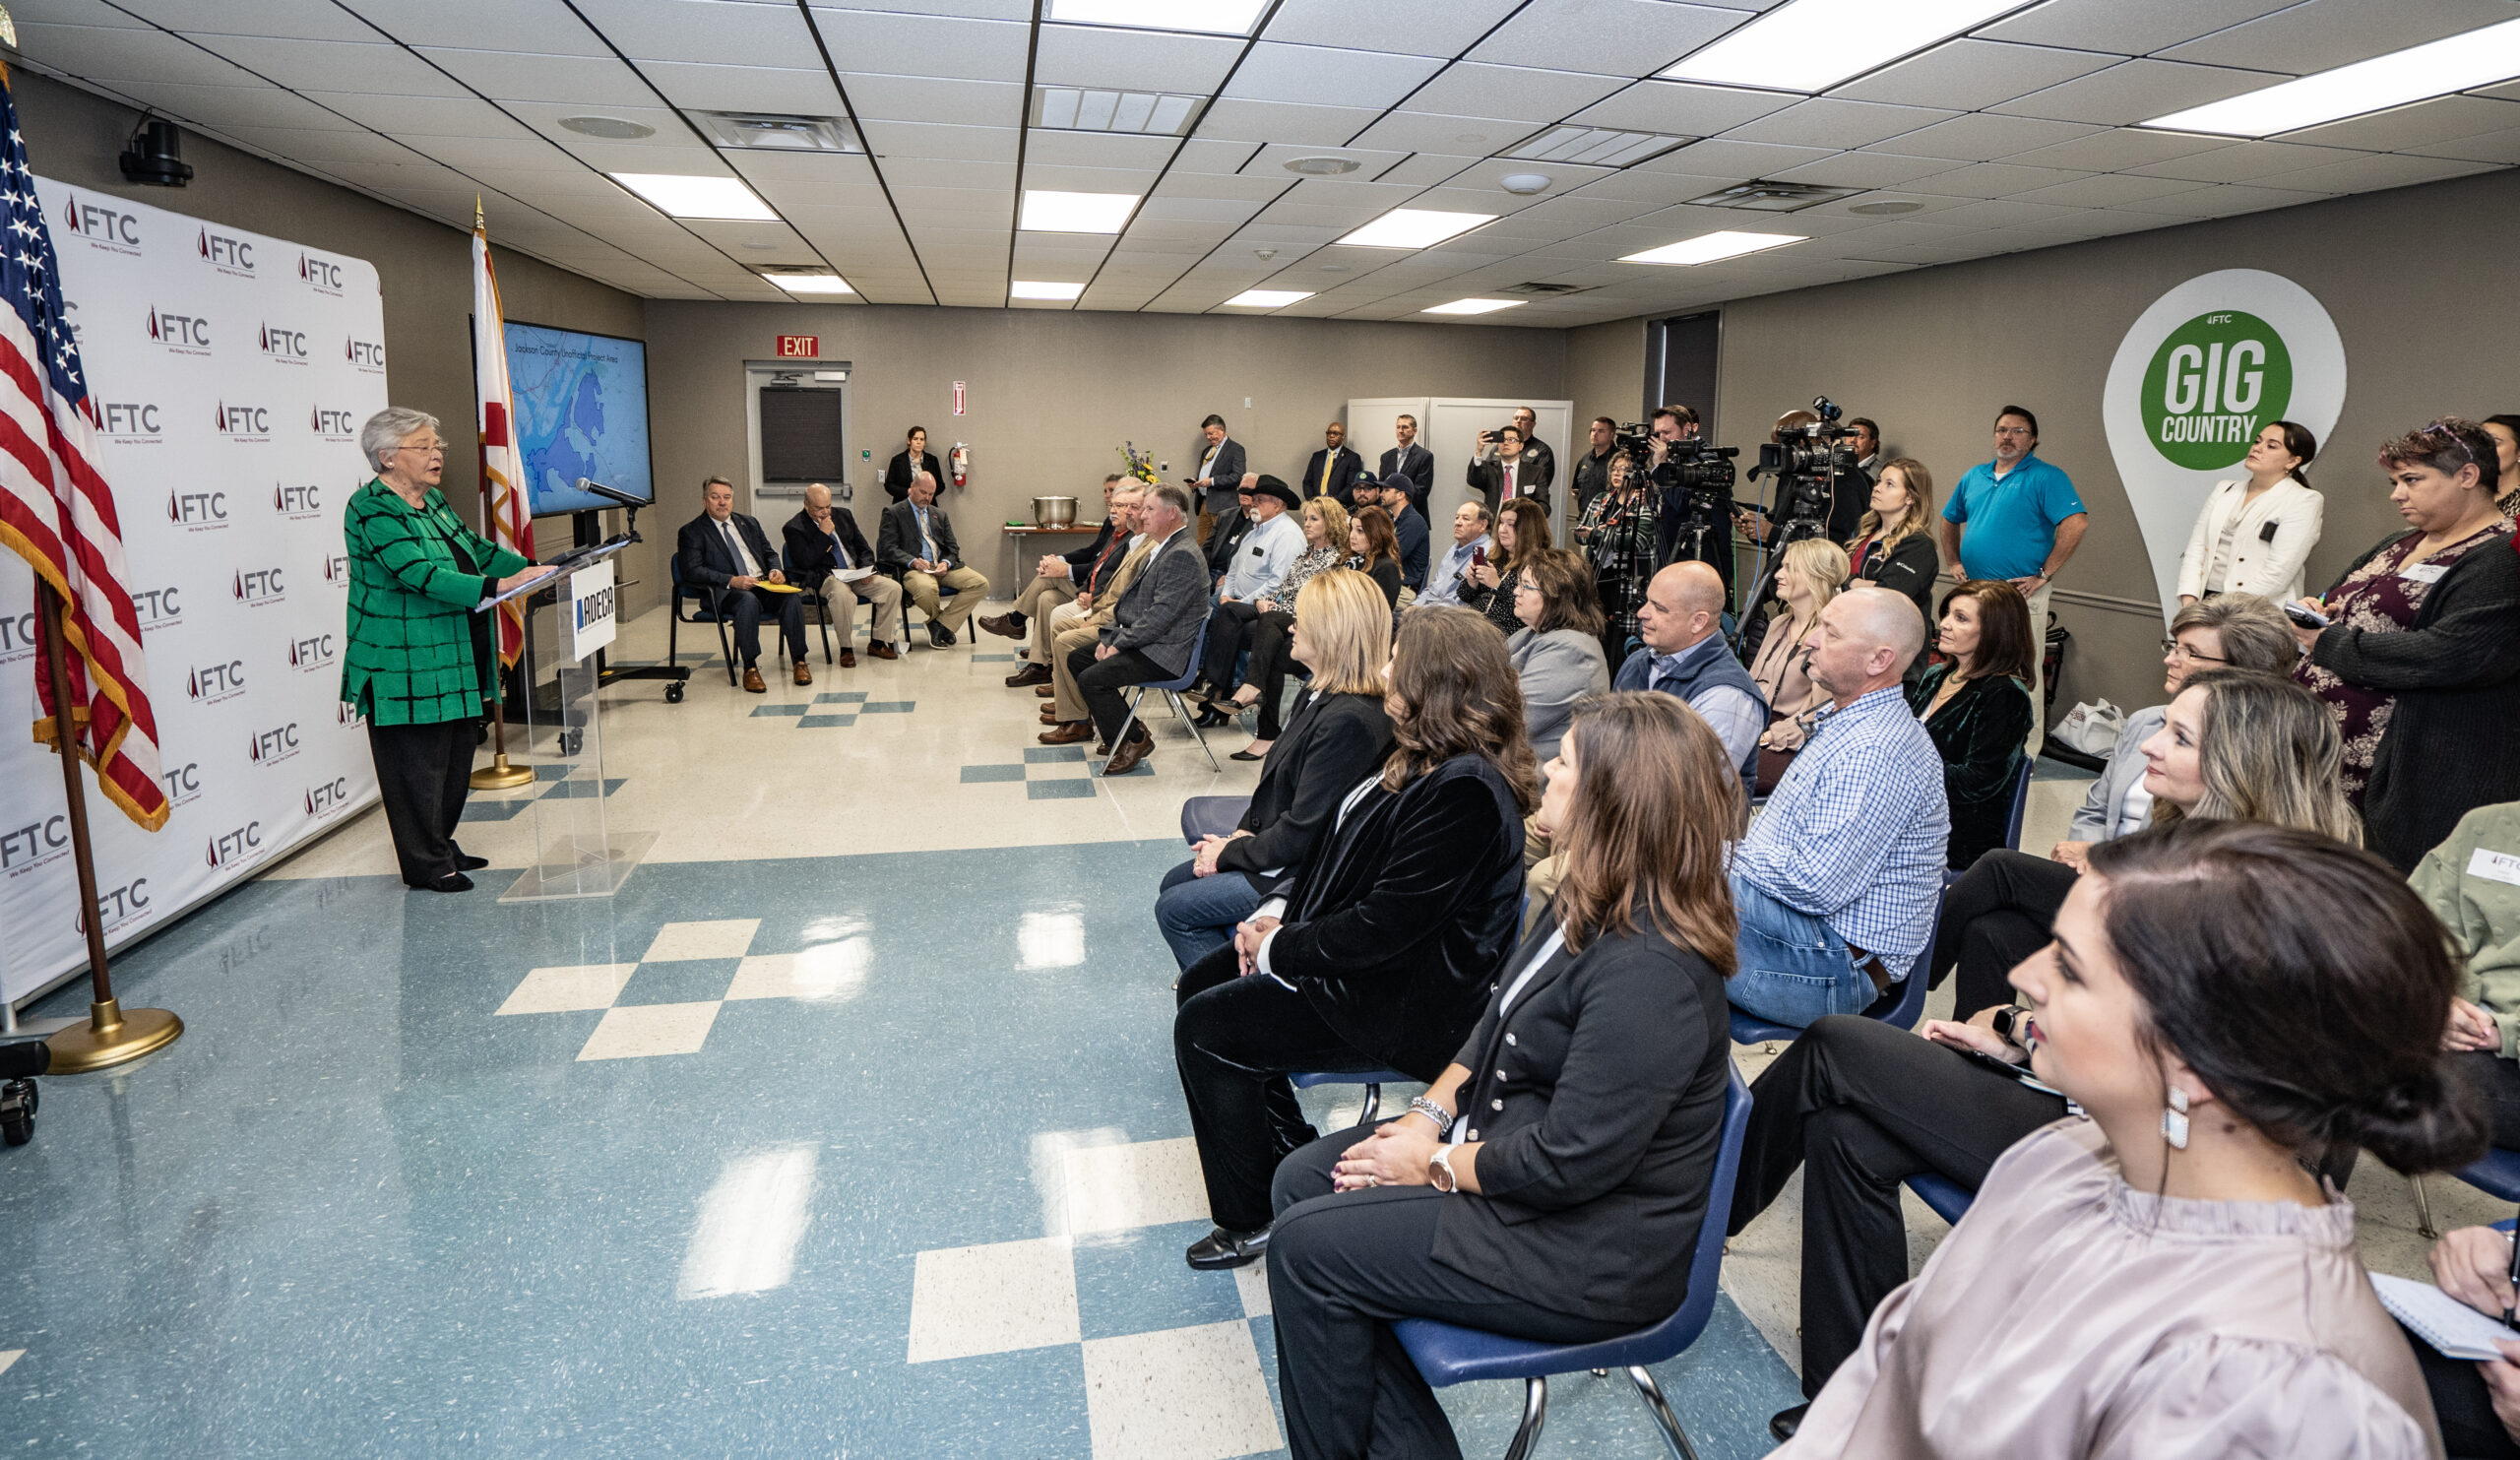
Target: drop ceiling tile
[[2118, 150], [899, 44], [934, 98], [2225, 199], [922, 140], [1133, 60], [2414, 128], [2323, 33], [1271, 160], [1052, 149], [571, 180], [1993, 180], [690, 160], [1134, 181], [2246, 161], [1426, 169], [413, 177], [467, 153], [111, 53], [515, 75], [701, 31], [2136, 90], [2131, 27], [1285, 237], [1625, 38], [1338, 218], [320, 147], [920, 201], [540, 27], [1867, 169], [936, 172], [1487, 174], [314, 65], [1597, 212], [2371, 172], [1327, 76], [1207, 156], [425, 117], [257, 107], [1204, 211], [1525, 93], [1417, 130], [78, 13], [1972, 74], [1183, 229], [1984, 136], [1828, 122], [1254, 190], [716, 88], [313, 20], [1737, 160], [1682, 109], [2004, 213], [1274, 121], [2110, 190], [830, 169], [2491, 147]]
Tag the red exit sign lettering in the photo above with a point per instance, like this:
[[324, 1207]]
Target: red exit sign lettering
[[799, 347]]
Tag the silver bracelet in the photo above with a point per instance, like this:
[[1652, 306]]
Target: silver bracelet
[[1433, 1111]]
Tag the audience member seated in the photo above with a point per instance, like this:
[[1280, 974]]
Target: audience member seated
[[1371, 553], [1408, 527], [1379, 951], [830, 558], [1522, 533], [1338, 734], [1836, 883], [1551, 1185], [1556, 647], [2478, 1404], [2227, 1004], [916, 541], [1778, 644], [1154, 628], [1259, 625], [1446, 586], [1093, 585], [1267, 548], [1066, 715], [1894, 547], [2419, 662], [2234, 746], [1058, 577], [1375, 551], [1226, 533], [725, 555], [2472, 882], [1685, 655], [1975, 704]]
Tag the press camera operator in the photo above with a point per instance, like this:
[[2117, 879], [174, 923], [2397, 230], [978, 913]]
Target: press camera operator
[[1813, 460], [1693, 483]]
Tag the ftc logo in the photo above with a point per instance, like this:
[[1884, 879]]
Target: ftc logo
[[311, 654], [273, 745], [158, 608], [332, 425], [244, 422], [197, 511], [129, 420], [183, 783], [184, 334], [336, 569], [33, 842], [259, 586], [211, 684], [345, 715], [288, 346], [17, 636], [118, 905], [231, 847], [227, 253], [321, 275], [330, 796], [106, 228], [368, 355], [296, 502]]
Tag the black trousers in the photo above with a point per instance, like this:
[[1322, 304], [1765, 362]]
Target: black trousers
[[744, 615], [2460, 1401], [1228, 634], [2499, 1080], [1100, 682], [1340, 1269], [1860, 1107], [1997, 915], [424, 772], [1234, 1040], [1272, 637]]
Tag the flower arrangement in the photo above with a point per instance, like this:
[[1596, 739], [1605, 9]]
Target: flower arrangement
[[1141, 464]]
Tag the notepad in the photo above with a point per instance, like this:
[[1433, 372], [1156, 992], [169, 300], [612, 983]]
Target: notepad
[[2457, 1330]]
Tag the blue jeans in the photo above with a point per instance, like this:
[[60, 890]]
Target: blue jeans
[[1197, 915], [1793, 969]]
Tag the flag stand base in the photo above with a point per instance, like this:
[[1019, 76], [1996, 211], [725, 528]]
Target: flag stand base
[[498, 774], [112, 1036]]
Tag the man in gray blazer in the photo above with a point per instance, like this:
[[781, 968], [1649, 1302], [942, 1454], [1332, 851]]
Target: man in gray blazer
[[1155, 626]]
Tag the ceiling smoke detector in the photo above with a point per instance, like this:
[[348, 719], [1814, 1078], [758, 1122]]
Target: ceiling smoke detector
[[763, 131], [1885, 209], [1321, 167], [1771, 197], [610, 128], [1523, 184]]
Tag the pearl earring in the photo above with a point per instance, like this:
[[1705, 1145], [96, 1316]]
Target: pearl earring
[[2174, 1119]]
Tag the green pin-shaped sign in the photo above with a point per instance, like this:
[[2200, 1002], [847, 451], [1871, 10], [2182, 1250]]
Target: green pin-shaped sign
[[2212, 385]]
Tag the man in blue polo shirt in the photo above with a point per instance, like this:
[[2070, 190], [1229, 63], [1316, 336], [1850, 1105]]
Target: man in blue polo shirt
[[2023, 520]]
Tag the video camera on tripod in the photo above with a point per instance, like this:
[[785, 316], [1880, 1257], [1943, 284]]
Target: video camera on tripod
[[1807, 458]]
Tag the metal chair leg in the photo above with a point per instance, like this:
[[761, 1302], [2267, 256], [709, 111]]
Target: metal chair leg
[[1183, 714], [1373, 1104], [1534, 1414], [2423, 1210], [1120, 736], [1670, 1423]]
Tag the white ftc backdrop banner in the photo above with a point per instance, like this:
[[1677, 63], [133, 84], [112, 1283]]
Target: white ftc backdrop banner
[[230, 373]]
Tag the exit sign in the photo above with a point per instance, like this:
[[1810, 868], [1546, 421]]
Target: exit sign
[[799, 347]]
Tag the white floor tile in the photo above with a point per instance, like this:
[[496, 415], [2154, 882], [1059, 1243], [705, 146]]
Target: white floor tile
[[729, 938], [557, 990], [992, 1300], [642, 1030], [1145, 1183], [834, 972], [9, 1357], [1252, 1285], [1183, 1394]]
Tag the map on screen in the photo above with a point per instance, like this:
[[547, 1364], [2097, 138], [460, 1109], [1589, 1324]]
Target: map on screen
[[581, 411]]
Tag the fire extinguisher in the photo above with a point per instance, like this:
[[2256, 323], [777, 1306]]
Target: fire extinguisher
[[959, 464]]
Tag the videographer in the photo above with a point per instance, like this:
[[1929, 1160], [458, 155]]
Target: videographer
[[1847, 484], [1867, 441], [1695, 491]]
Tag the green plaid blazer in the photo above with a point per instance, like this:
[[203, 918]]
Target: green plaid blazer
[[410, 658]]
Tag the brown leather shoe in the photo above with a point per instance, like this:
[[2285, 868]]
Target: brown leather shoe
[[804, 676], [848, 659], [1128, 755], [1004, 626], [1067, 733], [881, 650], [752, 680], [1027, 676], [1045, 691], [1049, 714]]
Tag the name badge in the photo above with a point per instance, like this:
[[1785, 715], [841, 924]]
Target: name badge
[[2494, 867], [2423, 573]]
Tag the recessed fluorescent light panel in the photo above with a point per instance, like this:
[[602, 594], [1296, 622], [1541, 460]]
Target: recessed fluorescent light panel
[[2418, 72], [1038, 288], [1095, 109], [1205, 17], [677, 196], [1473, 306], [811, 284], [1076, 212], [1593, 146], [1266, 298], [1709, 247], [1810, 45], [1414, 227]]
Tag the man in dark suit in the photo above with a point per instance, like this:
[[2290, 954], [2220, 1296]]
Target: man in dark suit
[[1509, 473], [727, 554], [824, 543], [1333, 469], [1412, 461], [1221, 471], [1230, 528], [916, 542], [1155, 627]]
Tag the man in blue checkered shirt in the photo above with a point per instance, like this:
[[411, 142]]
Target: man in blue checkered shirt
[[1837, 883]]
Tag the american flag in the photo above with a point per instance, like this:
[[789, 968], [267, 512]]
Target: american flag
[[503, 495], [57, 512]]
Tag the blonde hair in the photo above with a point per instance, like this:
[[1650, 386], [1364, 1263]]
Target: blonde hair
[[1334, 523], [1824, 565], [1346, 624], [1920, 514]]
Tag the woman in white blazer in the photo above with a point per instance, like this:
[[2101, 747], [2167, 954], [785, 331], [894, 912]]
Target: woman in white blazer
[[2255, 534]]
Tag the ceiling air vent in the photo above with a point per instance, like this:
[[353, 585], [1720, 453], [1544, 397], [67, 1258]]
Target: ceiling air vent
[[1095, 109], [1321, 167], [770, 132], [1593, 146], [1544, 291], [1771, 197]]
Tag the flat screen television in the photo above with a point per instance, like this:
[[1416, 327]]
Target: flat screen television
[[582, 412]]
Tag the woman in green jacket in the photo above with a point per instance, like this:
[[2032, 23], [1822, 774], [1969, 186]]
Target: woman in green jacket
[[417, 663]]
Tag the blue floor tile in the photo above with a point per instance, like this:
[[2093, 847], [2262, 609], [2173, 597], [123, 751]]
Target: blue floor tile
[[682, 981], [581, 790], [760, 710], [840, 697], [974, 775], [1040, 754], [1135, 1281], [992, 658], [553, 771], [1075, 788], [888, 706], [824, 722], [479, 809]]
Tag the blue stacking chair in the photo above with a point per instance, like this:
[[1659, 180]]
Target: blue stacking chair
[[1944, 1197], [1446, 1355], [2498, 1173], [1903, 1012], [1372, 1080], [1171, 689], [1212, 816], [2020, 811]]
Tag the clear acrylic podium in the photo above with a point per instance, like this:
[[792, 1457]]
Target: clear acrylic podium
[[578, 852]]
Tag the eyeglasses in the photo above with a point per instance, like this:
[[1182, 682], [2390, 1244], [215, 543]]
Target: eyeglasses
[[2182, 651], [2012, 430], [429, 449]]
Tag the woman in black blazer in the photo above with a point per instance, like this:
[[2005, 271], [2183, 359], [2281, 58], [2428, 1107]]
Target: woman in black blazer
[[1556, 1194], [1893, 546], [1340, 735], [1378, 952], [913, 457], [1975, 704]]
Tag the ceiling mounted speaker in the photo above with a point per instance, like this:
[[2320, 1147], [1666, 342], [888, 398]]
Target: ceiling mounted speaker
[[1322, 166], [612, 128], [1523, 183]]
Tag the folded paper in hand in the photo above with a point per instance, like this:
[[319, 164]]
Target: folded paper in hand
[[854, 575]]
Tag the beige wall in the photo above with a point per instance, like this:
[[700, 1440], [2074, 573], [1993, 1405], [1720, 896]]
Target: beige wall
[[1605, 371], [1053, 393]]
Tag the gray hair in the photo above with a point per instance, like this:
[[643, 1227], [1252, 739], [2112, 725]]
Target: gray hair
[[1171, 493], [916, 478], [386, 429]]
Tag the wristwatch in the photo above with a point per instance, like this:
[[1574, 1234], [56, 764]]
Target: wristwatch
[[1439, 1171], [2004, 1023]]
